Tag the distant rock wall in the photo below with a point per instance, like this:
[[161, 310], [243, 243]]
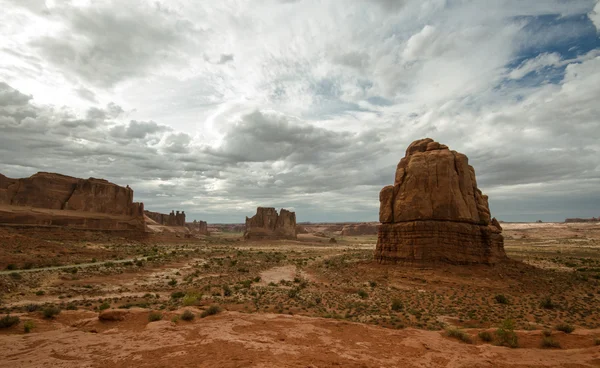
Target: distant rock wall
[[435, 212], [200, 227], [268, 224], [577, 219], [64, 197], [172, 219], [360, 229]]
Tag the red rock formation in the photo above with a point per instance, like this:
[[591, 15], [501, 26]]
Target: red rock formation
[[172, 219], [360, 229], [268, 224], [56, 192], [200, 227], [577, 219], [435, 212]]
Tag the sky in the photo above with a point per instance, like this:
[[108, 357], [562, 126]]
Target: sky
[[218, 107]]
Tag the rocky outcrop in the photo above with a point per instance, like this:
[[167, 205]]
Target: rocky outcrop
[[268, 224], [434, 212], [95, 201], [175, 218], [577, 219], [200, 227], [360, 229]]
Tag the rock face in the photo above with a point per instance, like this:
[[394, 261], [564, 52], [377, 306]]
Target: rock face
[[64, 197], [268, 224], [200, 227], [175, 218], [360, 229], [434, 212]]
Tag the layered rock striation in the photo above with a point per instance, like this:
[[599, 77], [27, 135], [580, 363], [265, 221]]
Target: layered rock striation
[[55, 199], [360, 229], [434, 212], [268, 224], [175, 218]]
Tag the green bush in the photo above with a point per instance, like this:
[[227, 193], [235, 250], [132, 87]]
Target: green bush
[[103, 306], [28, 326], [459, 334], [506, 334], [564, 327], [8, 321], [50, 311], [40, 292], [226, 290], [154, 316], [11, 267], [212, 310], [191, 299], [547, 303], [363, 294], [501, 299], [173, 282], [550, 343], [397, 305], [187, 315], [485, 336], [177, 294]]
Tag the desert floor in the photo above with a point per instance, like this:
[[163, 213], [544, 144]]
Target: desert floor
[[305, 303]]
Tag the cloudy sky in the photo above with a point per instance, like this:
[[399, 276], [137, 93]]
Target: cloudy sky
[[217, 107]]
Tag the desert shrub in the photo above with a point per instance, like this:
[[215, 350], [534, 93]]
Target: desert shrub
[[363, 294], [175, 319], [72, 306], [31, 307], [187, 315], [154, 316], [177, 294], [506, 334], [226, 290], [549, 343], [293, 293], [11, 267], [16, 276], [564, 327], [547, 303], [501, 299], [28, 326], [8, 321], [547, 332], [103, 306], [212, 310], [397, 305], [50, 311], [40, 292], [485, 336], [173, 282], [460, 335], [190, 299], [257, 279], [372, 284]]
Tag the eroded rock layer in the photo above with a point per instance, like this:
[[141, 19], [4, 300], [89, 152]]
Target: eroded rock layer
[[435, 212], [268, 224], [60, 200], [175, 218]]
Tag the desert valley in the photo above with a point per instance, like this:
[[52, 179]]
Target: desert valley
[[91, 279]]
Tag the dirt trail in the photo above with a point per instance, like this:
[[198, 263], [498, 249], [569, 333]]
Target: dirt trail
[[260, 340]]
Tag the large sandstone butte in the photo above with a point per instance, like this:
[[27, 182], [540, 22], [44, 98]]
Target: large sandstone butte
[[55, 199], [434, 212], [172, 219], [268, 224]]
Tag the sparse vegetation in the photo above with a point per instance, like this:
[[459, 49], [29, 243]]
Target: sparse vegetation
[[154, 316], [460, 335], [8, 321], [506, 335], [565, 327], [549, 343], [28, 326], [187, 315], [50, 311], [212, 310], [501, 299], [485, 336]]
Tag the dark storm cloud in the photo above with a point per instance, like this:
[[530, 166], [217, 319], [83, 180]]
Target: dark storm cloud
[[103, 46], [137, 129]]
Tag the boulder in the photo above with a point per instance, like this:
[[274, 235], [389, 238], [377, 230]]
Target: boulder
[[435, 212], [268, 224]]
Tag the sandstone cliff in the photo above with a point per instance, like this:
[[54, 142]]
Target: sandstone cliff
[[267, 223], [435, 212], [360, 229], [200, 227], [172, 219], [70, 196]]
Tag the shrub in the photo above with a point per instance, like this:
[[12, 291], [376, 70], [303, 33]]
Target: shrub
[[8, 321], [226, 290], [549, 343], [293, 293], [50, 311], [187, 315], [397, 305], [28, 326], [11, 267], [501, 299], [154, 316], [564, 327], [177, 294], [191, 299], [485, 336], [16, 276], [103, 306], [40, 292], [547, 303], [363, 294], [547, 332], [72, 306], [173, 282], [506, 334], [459, 334], [212, 310], [31, 307]]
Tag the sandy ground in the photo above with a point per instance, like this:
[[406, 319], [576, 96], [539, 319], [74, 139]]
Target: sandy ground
[[230, 339]]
